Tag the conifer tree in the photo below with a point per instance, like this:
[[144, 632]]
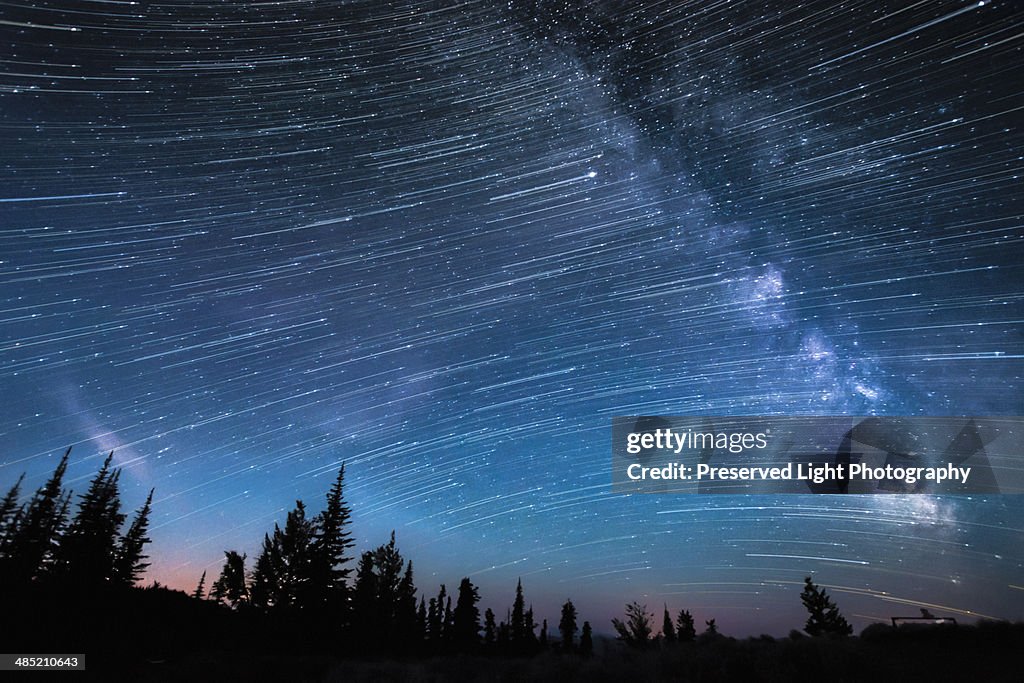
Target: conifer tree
[[517, 624], [421, 620], [294, 544], [586, 640], [34, 530], [329, 551], [567, 626], [88, 550], [543, 639], [129, 565], [200, 592], [406, 630], [686, 632], [490, 629], [9, 511], [668, 630], [824, 618], [712, 629], [265, 582], [366, 617], [230, 585], [434, 620], [466, 618]]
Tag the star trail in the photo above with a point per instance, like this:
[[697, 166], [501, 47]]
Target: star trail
[[444, 243]]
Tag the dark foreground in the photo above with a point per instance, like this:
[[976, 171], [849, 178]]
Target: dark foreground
[[988, 652]]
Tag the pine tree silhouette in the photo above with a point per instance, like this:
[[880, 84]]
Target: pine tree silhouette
[[490, 629], [35, 529], [824, 618], [466, 618], [668, 630], [265, 582], [567, 626], [406, 632], [328, 552], [9, 509], [295, 548], [517, 624], [129, 565], [686, 632], [230, 586], [586, 640], [542, 640], [200, 592], [89, 548], [421, 621], [434, 620]]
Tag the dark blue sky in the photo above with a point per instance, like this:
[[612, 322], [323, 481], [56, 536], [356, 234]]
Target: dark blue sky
[[241, 243]]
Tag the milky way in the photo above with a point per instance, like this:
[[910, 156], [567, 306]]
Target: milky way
[[445, 243]]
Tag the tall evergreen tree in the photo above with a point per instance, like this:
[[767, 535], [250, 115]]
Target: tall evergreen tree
[[422, 632], [490, 629], [329, 552], [230, 585], [466, 618], [686, 632], [129, 565], [9, 511], [543, 639], [268, 571], [31, 539], [433, 620], [200, 592], [567, 626], [366, 618], [668, 630], [406, 630], [517, 623], [586, 640], [88, 550], [295, 543], [824, 618]]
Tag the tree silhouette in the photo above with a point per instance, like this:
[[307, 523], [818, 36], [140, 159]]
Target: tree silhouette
[[330, 545], [265, 582], [406, 631], [824, 618], [466, 618], [421, 621], [518, 621], [586, 640], [33, 531], [636, 630], [490, 629], [712, 629], [685, 630], [129, 565], [435, 619], [200, 592], [668, 630], [384, 598], [9, 511], [230, 585], [88, 550], [567, 626], [294, 543]]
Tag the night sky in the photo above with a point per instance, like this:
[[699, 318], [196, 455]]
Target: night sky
[[241, 243]]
